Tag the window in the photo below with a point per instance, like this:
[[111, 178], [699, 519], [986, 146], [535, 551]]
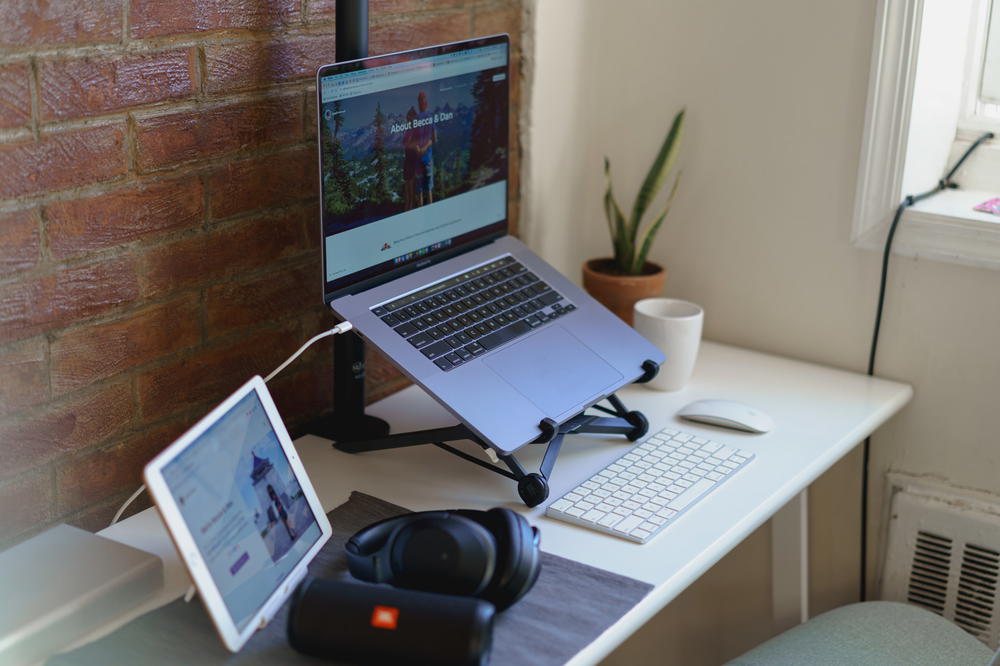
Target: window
[[925, 107], [981, 96]]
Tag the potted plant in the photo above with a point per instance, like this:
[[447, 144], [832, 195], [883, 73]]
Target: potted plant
[[618, 282]]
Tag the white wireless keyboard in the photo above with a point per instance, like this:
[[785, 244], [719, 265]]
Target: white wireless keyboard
[[649, 487]]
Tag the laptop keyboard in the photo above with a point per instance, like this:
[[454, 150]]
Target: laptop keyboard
[[462, 317]]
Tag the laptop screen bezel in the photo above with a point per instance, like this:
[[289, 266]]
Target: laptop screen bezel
[[498, 229]]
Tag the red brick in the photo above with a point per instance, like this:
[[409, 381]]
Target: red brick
[[99, 84], [224, 251], [262, 182], [170, 139], [301, 395], [23, 375], [495, 21], [36, 22], [19, 238], [61, 160], [98, 475], [26, 503], [325, 10], [123, 215], [97, 517], [15, 97], [211, 373], [41, 304], [309, 121], [247, 65], [166, 17], [63, 427], [405, 35], [277, 296], [88, 354]]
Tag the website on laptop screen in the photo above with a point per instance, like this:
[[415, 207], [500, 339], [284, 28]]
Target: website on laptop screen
[[243, 506], [413, 159]]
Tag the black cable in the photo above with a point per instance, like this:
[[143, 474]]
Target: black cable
[[909, 200]]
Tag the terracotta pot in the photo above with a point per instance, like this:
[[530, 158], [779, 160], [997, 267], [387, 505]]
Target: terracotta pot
[[619, 293]]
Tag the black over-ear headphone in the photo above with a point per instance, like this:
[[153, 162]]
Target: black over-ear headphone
[[489, 554]]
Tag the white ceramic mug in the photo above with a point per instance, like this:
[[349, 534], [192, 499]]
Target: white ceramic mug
[[674, 326]]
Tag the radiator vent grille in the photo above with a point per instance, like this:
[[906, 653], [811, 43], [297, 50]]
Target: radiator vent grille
[[944, 556], [977, 589], [929, 572]]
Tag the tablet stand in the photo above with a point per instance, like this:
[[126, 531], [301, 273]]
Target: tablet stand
[[532, 487]]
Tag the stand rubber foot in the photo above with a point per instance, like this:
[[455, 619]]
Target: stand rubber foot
[[533, 489], [638, 419], [649, 370]]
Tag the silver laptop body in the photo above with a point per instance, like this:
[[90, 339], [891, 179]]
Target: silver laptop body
[[565, 351]]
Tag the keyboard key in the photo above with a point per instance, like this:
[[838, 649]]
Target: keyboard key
[[406, 329], [561, 504], [628, 524], [691, 494], [475, 349], [419, 340], [443, 363], [437, 349], [609, 520]]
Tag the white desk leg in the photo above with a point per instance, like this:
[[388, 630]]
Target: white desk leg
[[790, 563]]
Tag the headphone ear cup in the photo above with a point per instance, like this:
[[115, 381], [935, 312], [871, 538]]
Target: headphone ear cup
[[518, 557], [365, 559], [449, 555]]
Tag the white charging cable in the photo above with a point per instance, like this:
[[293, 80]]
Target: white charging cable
[[342, 327]]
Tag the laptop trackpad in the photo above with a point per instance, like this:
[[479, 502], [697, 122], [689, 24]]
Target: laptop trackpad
[[554, 370]]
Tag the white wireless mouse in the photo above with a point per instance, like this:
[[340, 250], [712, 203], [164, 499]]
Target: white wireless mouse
[[727, 414]]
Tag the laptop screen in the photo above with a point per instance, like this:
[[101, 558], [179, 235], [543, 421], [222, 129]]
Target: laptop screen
[[413, 159], [243, 506]]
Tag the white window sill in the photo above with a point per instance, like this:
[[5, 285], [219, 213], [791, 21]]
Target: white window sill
[[945, 228]]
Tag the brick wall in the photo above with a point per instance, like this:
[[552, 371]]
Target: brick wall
[[159, 238]]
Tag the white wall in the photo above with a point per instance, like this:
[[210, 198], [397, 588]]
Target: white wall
[[775, 92]]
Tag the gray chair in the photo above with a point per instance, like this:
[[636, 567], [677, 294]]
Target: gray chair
[[873, 632]]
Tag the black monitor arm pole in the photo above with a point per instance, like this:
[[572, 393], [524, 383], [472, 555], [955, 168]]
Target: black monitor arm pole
[[348, 422]]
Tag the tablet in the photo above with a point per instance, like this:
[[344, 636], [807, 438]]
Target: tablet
[[240, 510]]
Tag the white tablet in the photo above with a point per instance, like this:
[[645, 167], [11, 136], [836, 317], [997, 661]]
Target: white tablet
[[240, 510]]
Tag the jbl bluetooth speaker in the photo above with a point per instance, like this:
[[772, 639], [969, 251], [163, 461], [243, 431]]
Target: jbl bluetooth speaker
[[377, 624]]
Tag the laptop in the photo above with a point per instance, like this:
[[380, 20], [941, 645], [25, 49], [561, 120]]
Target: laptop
[[240, 510], [413, 162]]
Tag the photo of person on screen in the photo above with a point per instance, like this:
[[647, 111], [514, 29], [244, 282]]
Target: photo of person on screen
[[426, 137], [282, 513]]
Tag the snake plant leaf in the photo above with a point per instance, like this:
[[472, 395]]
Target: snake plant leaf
[[647, 241], [658, 171]]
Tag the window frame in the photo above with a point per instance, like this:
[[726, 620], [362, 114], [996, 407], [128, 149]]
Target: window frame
[[939, 228]]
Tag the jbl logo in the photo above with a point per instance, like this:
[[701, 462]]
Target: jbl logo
[[385, 617]]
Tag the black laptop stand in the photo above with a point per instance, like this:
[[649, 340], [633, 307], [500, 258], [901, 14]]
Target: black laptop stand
[[532, 487]]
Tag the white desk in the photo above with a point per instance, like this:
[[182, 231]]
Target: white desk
[[820, 414]]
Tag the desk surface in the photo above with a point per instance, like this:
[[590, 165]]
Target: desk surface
[[820, 414]]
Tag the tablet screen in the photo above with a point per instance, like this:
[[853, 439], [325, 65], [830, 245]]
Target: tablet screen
[[243, 506]]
